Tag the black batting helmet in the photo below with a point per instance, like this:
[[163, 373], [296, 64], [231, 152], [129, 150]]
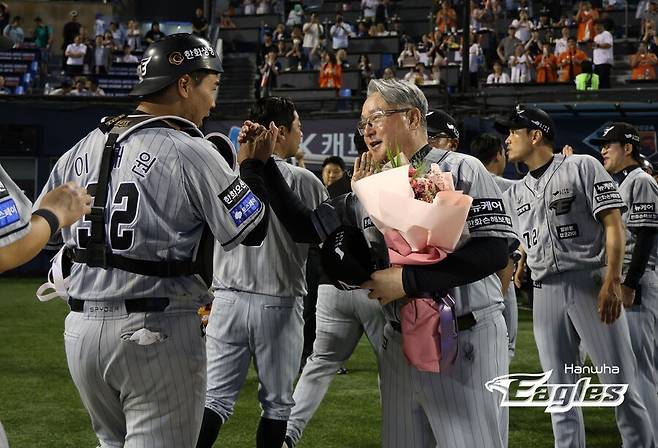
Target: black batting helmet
[[168, 59]]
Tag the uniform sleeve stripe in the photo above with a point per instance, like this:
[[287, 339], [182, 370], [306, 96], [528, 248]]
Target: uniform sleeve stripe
[[6, 235]]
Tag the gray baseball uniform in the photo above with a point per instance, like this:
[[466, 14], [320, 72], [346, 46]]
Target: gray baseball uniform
[[555, 217], [640, 194], [15, 215], [142, 375], [414, 410], [342, 317], [257, 312]]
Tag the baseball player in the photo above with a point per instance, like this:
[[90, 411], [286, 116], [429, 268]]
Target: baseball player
[[566, 213], [258, 302], [442, 130], [24, 233], [419, 409], [133, 340], [620, 148], [342, 317]]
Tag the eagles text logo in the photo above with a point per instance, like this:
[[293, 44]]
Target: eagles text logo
[[533, 390]]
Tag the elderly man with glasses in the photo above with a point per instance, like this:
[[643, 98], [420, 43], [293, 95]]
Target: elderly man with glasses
[[422, 409]]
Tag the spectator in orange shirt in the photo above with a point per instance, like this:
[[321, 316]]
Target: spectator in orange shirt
[[585, 18], [643, 63], [546, 65], [446, 18], [570, 60], [331, 73]]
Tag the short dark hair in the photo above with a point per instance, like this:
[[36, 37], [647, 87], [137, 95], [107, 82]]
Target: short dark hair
[[485, 147], [334, 160], [278, 109]]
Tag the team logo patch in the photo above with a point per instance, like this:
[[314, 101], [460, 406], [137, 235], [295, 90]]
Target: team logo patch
[[487, 212], [643, 211], [199, 52], [8, 213], [246, 208], [176, 58], [567, 231], [524, 208], [143, 64], [562, 206], [234, 193], [367, 223]]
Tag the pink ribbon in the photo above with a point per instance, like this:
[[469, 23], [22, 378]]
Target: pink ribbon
[[429, 330]]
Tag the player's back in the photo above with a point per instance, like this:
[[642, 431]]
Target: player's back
[[151, 210]]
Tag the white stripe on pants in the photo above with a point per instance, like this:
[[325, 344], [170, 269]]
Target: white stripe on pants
[[449, 409], [341, 319], [564, 314]]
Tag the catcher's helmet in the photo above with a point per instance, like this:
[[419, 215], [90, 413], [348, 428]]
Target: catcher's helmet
[[168, 59]]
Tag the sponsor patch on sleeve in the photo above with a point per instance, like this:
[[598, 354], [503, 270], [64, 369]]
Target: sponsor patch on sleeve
[[243, 210], [234, 193], [643, 211], [567, 231], [8, 213], [486, 212], [606, 192]]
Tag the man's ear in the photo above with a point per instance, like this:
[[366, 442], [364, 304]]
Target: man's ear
[[283, 134], [183, 84], [414, 118]]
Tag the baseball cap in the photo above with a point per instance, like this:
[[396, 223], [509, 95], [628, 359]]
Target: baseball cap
[[440, 124], [527, 118], [618, 132]]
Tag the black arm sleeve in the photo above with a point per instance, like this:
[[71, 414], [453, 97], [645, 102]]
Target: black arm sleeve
[[640, 257], [466, 265], [251, 172], [291, 211]]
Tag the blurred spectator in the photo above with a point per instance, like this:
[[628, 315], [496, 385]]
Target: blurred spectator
[[296, 16], [263, 7], [498, 76], [102, 57], [650, 38], [372, 31], [279, 32], [544, 26], [643, 63], [362, 29], [389, 73], [341, 59], [446, 18], [266, 46], [269, 73], [75, 54], [409, 56], [296, 58], [99, 24], [134, 36], [477, 13], [117, 35], [585, 18], [383, 12], [523, 26], [369, 9], [296, 32], [248, 7], [534, 45], [225, 21], [200, 24], [333, 169], [64, 89], [70, 30], [3, 89], [43, 39], [93, 89], [313, 30], [154, 34], [108, 41], [281, 47], [587, 79], [507, 45], [331, 73], [4, 15], [340, 32], [417, 75], [365, 68], [424, 47], [562, 43], [570, 61], [127, 57], [650, 16], [603, 56], [14, 32], [475, 60], [80, 87], [546, 65], [519, 64], [380, 30]]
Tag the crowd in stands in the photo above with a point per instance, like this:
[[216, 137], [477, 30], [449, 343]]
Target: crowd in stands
[[545, 42]]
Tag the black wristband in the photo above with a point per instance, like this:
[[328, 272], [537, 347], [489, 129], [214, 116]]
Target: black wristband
[[50, 218]]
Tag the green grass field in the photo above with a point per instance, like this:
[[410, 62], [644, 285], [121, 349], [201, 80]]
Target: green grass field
[[40, 407]]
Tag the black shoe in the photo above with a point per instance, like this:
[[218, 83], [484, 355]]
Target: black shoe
[[342, 371]]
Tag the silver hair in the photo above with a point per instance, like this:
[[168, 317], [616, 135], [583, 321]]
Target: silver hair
[[400, 93]]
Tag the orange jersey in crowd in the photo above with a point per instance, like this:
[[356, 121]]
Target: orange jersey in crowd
[[585, 21], [548, 72], [646, 66], [569, 62], [331, 76]]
